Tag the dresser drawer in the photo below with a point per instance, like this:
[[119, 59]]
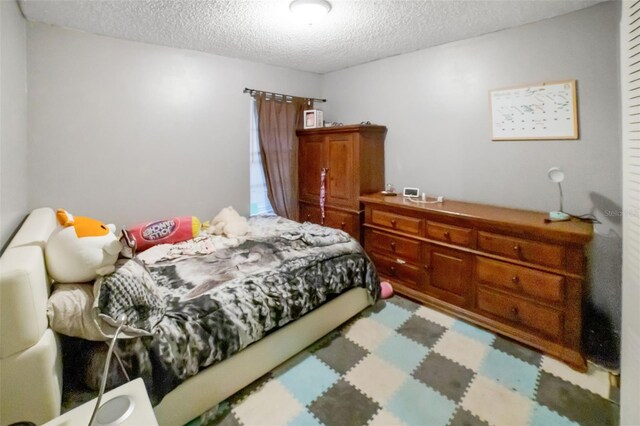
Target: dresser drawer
[[397, 269], [392, 245], [407, 224], [449, 233], [543, 321], [537, 284], [525, 250]]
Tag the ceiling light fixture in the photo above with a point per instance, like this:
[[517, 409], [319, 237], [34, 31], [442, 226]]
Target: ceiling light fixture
[[310, 11]]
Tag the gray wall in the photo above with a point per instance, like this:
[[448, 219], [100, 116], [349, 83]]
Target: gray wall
[[129, 132], [435, 104], [13, 119]]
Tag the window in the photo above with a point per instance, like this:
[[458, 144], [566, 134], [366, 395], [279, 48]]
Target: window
[[258, 187]]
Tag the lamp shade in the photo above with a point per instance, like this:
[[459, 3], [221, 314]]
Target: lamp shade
[[555, 174]]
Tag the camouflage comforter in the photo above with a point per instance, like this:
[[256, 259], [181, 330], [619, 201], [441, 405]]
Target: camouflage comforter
[[206, 307]]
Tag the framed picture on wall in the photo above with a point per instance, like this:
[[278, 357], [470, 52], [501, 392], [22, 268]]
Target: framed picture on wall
[[544, 111], [313, 118]]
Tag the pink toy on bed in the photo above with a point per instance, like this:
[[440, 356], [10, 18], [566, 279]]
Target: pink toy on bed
[[167, 231], [386, 290]]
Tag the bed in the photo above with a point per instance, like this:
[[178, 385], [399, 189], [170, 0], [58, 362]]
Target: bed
[[31, 359]]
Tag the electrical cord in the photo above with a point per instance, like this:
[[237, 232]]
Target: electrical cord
[[124, 371], [122, 320], [588, 218], [424, 202]]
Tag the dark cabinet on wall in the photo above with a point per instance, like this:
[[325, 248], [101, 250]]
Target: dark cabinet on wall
[[504, 269], [353, 159]]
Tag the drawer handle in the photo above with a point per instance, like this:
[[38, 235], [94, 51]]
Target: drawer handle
[[393, 246], [308, 217], [447, 235], [515, 279], [515, 312], [342, 225], [393, 223], [516, 248], [392, 271], [427, 268]]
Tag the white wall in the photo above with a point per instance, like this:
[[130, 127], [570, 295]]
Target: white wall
[[128, 132], [435, 104], [13, 119]]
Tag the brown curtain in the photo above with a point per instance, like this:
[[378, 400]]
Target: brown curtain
[[277, 124]]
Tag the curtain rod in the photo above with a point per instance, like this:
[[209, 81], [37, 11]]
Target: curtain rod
[[254, 91]]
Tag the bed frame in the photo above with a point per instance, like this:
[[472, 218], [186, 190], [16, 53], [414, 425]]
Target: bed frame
[[31, 361]]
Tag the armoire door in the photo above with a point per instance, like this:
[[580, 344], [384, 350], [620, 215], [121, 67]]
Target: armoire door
[[310, 164], [340, 182]]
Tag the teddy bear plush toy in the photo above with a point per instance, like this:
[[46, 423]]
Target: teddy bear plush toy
[[228, 222], [81, 249]]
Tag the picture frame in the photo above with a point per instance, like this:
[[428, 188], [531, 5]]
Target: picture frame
[[544, 111], [313, 119]]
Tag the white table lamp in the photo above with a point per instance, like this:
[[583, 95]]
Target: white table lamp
[[556, 175]]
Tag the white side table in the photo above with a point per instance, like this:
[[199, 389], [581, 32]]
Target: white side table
[[140, 414]]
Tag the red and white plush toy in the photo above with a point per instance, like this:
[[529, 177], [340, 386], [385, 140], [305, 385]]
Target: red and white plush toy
[[81, 249], [167, 231]]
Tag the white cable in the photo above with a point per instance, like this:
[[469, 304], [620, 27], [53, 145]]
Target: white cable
[[122, 319], [423, 202], [124, 370]]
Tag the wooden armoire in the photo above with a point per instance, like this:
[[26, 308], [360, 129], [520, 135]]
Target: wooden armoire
[[353, 160]]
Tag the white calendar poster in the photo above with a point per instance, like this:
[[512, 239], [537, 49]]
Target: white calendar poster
[[546, 111]]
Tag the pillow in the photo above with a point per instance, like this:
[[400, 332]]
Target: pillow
[[69, 310], [74, 310], [132, 292], [168, 231]]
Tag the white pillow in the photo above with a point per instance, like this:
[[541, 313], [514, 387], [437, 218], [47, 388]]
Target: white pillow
[[69, 310]]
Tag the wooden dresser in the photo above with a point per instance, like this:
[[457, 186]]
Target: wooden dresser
[[504, 269], [353, 157]]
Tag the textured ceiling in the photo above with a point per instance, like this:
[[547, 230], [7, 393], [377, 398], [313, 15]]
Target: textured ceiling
[[356, 31]]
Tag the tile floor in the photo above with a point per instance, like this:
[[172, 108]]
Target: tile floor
[[399, 363]]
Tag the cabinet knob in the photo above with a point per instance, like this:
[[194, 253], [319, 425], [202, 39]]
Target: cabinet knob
[[392, 271], [393, 246], [342, 225], [427, 268], [515, 279], [393, 223], [447, 235], [308, 217], [516, 248], [515, 311]]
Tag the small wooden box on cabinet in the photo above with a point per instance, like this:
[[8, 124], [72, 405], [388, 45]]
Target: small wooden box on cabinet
[[504, 269], [353, 158]]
